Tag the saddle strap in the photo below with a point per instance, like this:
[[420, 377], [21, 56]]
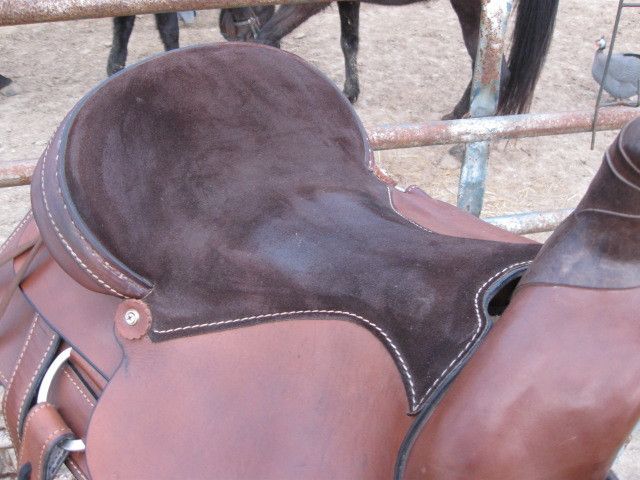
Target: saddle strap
[[41, 454], [34, 246], [39, 349]]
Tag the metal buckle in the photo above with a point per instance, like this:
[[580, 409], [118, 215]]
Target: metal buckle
[[71, 445]]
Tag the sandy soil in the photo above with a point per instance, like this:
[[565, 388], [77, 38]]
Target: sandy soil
[[413, 67]]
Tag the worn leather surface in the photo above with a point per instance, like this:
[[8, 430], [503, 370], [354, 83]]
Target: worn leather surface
[[443, 218], [597, 246], [14, 324], [554, 391], [40, 452], [267, 209], [74, 398], [308, 398], [37, 352]]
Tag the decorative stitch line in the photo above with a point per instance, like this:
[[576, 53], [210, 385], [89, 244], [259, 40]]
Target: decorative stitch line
[[66, 373], [13, 375], [408, 220], [456, 360], [33, 377], [100, 260], [64, 242], [300, 312], [46, 443], [414, 406], [22, 223], [15, 231], [28, 422], [75, 469]]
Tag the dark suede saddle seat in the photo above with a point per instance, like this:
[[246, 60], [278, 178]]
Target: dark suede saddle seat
[[231, 185]]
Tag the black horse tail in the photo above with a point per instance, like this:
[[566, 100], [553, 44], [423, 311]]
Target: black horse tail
[[531, 39]]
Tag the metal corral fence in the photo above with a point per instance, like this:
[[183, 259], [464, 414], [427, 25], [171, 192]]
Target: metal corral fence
[[476, 131]]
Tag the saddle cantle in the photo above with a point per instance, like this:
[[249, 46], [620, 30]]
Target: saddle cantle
[[241, 295]]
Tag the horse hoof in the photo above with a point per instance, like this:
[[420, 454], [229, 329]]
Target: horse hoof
[[351, 94], [10, 90], [114, 68]]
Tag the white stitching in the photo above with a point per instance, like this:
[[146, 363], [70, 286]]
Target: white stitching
[[64, 242], [20, 357], [29, 418], [2, 248], [76, 469], [414, 406], [477, 332], [300, 312], [33, 377], [408, 220], [101, 260], [66, 430], [15, 231], [78, 388]]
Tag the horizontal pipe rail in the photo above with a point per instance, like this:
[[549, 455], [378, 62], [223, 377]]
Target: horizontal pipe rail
[[442, 132], [530, 222], [17, 12], [468, 130], [14, 174]]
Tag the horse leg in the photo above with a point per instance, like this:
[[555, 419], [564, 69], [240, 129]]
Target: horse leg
[[349, 39], [286, 19], [122, 28], [167, 24], [469, 17]]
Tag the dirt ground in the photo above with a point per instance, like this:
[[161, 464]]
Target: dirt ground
[[413, 67]]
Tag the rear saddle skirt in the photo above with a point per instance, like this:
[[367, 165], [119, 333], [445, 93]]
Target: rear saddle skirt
[[214, 283]]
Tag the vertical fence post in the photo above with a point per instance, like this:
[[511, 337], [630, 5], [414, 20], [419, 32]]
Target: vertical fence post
[[485, 90]]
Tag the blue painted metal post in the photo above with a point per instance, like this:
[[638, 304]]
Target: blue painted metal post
[[485, 89]]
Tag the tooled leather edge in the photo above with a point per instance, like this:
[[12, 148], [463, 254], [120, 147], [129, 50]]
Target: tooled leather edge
[[65, 234]]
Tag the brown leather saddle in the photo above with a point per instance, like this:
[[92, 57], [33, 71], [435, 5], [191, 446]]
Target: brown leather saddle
[[216, 283]]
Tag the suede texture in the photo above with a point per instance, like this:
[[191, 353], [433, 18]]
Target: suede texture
[[237, 180], [596, 246]]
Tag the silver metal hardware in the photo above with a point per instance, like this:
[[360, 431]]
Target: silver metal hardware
[[131, 317]]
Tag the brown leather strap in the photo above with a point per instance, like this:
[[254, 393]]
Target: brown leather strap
[[15, 282], [41, 455], [36, 355], [18, 250]]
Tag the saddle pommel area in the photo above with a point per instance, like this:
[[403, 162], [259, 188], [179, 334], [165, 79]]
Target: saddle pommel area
[[554, 391], [216, 284]]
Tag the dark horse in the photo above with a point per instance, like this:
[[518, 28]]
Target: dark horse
[[531, 38], [168, 28]]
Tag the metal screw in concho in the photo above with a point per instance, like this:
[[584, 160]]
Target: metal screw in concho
[[131, 317]]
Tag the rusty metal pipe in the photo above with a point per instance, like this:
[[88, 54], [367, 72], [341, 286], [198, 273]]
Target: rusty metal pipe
[[530, 222], [485, 88], [14, 173], [468, 130], [17, 12]]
